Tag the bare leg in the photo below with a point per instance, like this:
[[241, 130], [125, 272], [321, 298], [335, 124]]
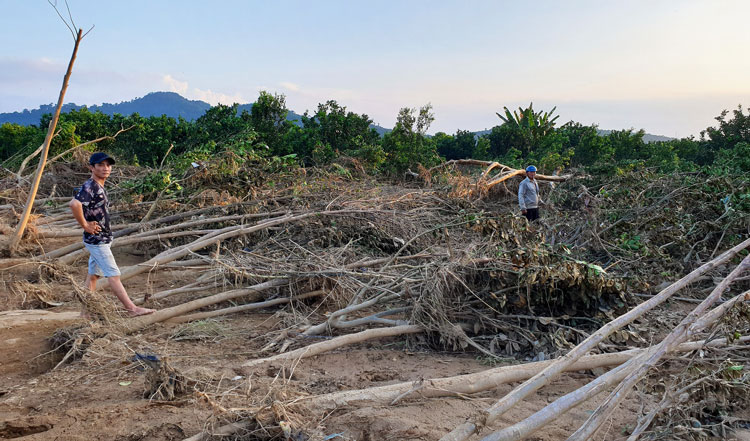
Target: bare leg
[[91, 282], [91, 285], [116, 286]]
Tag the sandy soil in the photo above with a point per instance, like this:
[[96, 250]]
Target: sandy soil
[[101, 395]]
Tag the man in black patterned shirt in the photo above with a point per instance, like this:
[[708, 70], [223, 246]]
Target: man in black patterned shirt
[[90, 208]]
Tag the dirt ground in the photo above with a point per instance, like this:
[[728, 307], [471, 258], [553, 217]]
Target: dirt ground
[[101, 395]]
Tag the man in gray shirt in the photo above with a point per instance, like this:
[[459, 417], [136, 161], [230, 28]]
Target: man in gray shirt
[[528, 195]]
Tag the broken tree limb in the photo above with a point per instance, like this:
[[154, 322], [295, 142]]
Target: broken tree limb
[[246, 307], [506, 176], [505, 173], [334, 316], [477, 162], [191, 287], [682, 332], [465, 430], [254, 292], [335, 343], [69, 258], [19, 174], [16, 239]]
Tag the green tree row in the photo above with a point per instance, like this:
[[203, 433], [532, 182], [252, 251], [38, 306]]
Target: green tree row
[[521, 137]]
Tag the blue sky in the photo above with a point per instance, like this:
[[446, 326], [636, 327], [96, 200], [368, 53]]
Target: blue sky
[[666, 66]]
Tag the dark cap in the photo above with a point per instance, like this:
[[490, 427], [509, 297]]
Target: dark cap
[[100, 157]]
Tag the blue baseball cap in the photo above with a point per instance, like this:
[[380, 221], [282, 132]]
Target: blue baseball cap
[[100, 157], [531, 168]]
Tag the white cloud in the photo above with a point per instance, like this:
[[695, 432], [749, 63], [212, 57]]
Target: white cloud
[[175, 85], [214, 98], [289, 86], [207, 95]]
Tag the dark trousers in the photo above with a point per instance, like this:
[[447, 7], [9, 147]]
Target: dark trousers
[[532, 214]]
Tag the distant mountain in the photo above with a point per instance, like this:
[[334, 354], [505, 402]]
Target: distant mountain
[[646, 138], [153, 104]]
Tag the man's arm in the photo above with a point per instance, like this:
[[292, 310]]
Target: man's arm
[[521, 193], [77, 209]]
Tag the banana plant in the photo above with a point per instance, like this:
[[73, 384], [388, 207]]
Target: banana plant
[[533, 126]]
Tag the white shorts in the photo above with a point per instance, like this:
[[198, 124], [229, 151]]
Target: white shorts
[[102, 262]]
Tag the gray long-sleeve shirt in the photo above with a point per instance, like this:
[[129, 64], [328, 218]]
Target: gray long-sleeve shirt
[[528, 194]]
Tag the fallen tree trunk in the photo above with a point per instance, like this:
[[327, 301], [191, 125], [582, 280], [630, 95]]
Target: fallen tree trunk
[[551, 372]]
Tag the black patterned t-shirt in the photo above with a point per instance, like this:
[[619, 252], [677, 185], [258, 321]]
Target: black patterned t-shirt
[[95, 208]]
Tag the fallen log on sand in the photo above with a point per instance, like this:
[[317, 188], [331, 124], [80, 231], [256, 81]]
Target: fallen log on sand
[[335, 343], [22, 316]]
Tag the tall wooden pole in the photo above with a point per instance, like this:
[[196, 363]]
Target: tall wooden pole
[[16, 239]]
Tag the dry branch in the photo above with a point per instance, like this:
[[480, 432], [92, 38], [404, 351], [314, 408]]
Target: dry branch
[[191, 287], [124, 232], [70, 258], [16, 239]]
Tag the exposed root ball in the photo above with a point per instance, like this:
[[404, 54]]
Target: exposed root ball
[[162, 381], [72, 342]]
